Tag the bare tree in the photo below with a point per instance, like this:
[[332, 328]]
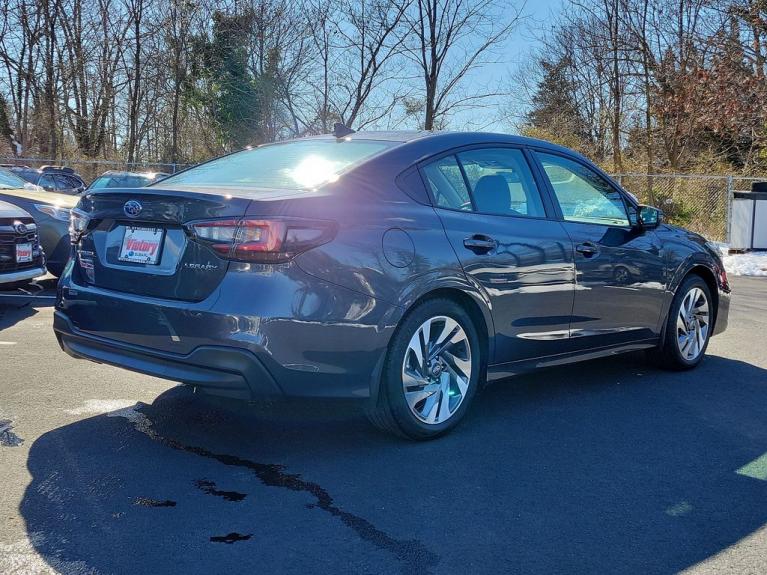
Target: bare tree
[[450, 38]]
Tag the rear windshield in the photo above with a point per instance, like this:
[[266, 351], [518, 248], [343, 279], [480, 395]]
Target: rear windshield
[[297, 165]]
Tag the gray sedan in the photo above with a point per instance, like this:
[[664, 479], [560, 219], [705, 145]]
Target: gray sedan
[[400, 269]]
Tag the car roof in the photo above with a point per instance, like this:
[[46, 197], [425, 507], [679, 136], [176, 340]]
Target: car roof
[[436, 140]]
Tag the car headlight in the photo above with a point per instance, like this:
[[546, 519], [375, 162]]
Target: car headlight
[[56, 212]]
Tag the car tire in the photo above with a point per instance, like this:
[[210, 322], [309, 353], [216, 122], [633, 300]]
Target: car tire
[[686, 337], [440, 389]]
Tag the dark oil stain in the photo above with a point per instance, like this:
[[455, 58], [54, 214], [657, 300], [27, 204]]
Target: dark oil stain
[[413, 555], [209, 487], [231, 538], [147, 502], [7, 437]]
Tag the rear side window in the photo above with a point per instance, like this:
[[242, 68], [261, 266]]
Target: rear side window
[[447, 184], [583, 195], [297, 165], [501, 182], [488, 180]]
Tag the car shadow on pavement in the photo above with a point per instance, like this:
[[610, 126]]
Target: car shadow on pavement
[[10, 315], [610, 467]]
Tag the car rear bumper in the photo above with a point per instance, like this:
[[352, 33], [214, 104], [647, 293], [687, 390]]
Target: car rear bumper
[[268, 335], [23, 275], [222, 371]]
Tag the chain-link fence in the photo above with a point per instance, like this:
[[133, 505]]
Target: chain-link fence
[[699, 203], [89, 170]]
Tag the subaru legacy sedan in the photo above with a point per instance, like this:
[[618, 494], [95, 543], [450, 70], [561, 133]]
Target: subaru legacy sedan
[[402, 269]]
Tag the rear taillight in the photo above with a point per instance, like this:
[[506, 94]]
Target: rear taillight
[[263, 240], [78, 223]]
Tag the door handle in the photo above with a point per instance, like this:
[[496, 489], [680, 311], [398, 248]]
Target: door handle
[[588, 249], [480, 244]]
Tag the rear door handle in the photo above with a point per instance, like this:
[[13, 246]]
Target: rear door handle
[[588, 249], [480, 244]]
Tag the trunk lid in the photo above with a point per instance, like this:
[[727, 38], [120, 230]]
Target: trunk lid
[[127, 226]]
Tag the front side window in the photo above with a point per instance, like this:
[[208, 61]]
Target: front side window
[[583, 195], [296, 165], [501, 182], [46, 181], [65, 183]]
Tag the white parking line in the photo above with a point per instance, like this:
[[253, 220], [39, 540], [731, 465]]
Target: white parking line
[[96, 406]]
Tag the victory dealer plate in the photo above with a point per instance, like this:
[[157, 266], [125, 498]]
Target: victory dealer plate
[[141, 245], [23, 253]]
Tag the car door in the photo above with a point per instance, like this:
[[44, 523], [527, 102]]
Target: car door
[[620, 279], [497, 222]]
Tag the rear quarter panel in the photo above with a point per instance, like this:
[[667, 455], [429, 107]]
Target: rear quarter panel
[[388, 246]]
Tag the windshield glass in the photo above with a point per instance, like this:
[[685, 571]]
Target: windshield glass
[[297, 165], [123, 181], [10, 182]]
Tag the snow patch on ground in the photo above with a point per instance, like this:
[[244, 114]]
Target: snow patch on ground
[[22, 558], [96, 406], [749, 264]]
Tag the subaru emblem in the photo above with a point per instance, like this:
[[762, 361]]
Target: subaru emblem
[[132, 208]]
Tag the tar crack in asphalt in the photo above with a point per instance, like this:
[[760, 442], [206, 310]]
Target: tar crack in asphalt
[[412, 554]]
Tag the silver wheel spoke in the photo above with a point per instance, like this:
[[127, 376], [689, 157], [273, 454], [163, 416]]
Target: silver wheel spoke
[[436, 370], [415, 348], [692, 324]]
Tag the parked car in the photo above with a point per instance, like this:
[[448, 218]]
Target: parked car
[[50, 211], [53, 178], [114, 179], [401, 269], [21, 258]]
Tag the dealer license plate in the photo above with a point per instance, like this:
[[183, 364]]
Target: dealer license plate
[[141, 245], [23, 253]]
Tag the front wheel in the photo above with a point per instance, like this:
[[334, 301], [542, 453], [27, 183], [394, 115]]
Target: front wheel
[[431, 372], [688, 326]]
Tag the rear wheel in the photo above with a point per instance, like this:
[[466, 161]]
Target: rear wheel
[[688, 326], [431, 372]]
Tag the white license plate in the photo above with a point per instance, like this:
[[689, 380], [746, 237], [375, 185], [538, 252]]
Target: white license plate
[[23, 253], [141, 245]]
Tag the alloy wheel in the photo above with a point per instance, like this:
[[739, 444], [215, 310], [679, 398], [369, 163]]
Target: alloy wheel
[[436, 370], [692, 324]]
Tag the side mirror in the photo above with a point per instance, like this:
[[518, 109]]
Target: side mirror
[[649, 217]]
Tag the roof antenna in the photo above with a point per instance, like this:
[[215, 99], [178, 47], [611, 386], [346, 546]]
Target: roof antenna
[[341, 131]]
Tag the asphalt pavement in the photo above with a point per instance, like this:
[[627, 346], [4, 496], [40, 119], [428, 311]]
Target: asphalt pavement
[[610, 466]]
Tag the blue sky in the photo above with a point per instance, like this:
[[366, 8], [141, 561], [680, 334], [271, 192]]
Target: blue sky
[[517, 50]]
